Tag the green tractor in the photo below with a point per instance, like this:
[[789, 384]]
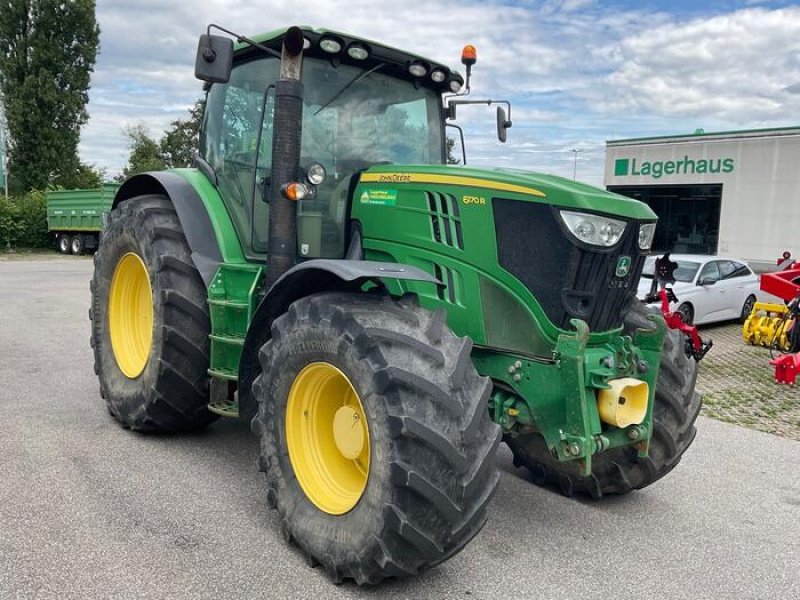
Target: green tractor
[[382, 319]]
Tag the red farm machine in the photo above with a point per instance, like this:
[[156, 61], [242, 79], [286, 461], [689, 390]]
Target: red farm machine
[[775, 325]]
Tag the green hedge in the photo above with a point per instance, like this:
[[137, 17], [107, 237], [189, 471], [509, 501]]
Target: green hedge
[[23, 222]]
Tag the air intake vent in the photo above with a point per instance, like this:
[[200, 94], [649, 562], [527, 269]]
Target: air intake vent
[[445, 220], [449, 292]]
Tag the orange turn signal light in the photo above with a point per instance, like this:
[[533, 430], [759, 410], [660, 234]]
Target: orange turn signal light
[[295, 191], [469, 55]]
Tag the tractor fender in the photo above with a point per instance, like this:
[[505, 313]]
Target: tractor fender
[[310, 277], [192, 215]]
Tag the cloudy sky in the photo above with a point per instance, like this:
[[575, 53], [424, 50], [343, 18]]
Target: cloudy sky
[[578, 72]]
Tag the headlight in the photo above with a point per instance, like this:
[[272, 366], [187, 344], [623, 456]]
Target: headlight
[[357, 51], [417, 69], [315, 173], [646, 234], [596, 230], [330, 45]]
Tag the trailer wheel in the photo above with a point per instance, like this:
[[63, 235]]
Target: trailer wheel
[[150, 321], [76, 244], [375, 435], [63, 243], [620, 470]]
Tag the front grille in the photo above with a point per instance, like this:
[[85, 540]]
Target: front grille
[[567, 280]]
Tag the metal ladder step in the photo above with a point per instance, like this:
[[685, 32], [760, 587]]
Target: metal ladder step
[[225, 408]]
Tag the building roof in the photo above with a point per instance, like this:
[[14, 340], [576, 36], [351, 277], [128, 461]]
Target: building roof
[[703, 136]]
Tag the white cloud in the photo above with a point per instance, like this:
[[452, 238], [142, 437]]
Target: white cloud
[[733, 68]]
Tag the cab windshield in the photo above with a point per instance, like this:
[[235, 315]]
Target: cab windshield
[[362, 115], [352, 118]]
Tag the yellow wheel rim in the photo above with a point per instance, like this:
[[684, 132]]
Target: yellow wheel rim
[[130, 315], [328, 438]]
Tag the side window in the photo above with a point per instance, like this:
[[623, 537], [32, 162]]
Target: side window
[[260, 223], [710, 270], [726, 269], [740, 270]]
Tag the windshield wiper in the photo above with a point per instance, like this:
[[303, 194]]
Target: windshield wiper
[[350, 83]]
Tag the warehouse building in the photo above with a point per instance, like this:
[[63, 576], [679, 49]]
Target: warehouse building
[[731, 193]]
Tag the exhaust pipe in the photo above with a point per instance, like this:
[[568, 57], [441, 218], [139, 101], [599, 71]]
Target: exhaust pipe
[[624, 403], [288, 120]]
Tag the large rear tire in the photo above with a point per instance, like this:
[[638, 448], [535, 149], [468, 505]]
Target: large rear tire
[[410, 489], [620, 470], [150, 321]]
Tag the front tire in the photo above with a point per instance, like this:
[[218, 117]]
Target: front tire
[[620, 470], [421, 474], [150, 321]]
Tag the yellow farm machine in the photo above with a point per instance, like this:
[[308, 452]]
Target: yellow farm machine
[[777, 326]]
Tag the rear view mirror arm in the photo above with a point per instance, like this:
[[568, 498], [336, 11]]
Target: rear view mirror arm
[[242, 39]]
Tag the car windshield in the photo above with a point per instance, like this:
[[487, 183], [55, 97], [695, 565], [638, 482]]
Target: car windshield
[[686, 270]]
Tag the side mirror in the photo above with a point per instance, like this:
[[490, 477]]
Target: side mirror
[[707, 281], [214, 59], [502, 124]]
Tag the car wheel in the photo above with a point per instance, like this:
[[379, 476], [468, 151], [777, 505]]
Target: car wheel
[[747, 308], [686, 311]]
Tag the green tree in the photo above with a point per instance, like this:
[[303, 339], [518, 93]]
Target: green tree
[[182, 140], [47, 54], [175, 149], [450, 144], [145, 152], [87, 177]]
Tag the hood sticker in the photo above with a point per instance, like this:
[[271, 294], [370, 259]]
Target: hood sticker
[[379, 197]]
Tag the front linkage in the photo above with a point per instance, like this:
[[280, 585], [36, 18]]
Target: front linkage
[[602, 396]]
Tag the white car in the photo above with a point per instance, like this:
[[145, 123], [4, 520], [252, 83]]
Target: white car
[[708, 288]]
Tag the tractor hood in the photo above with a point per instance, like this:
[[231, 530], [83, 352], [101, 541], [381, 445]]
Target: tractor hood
[[513, 183]]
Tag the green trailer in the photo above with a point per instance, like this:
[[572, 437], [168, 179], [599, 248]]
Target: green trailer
[[75, 217]]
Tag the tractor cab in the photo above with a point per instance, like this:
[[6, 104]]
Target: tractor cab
[[363, 104]]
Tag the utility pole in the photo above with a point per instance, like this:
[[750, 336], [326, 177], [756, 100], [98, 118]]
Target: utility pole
[[575, 165]]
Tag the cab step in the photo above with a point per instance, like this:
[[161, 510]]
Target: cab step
[[225, 408]]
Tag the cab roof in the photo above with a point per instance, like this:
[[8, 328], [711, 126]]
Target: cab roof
[[396, 62]]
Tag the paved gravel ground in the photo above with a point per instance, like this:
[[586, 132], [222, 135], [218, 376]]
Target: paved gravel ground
[[738, 385], [88, 510]]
